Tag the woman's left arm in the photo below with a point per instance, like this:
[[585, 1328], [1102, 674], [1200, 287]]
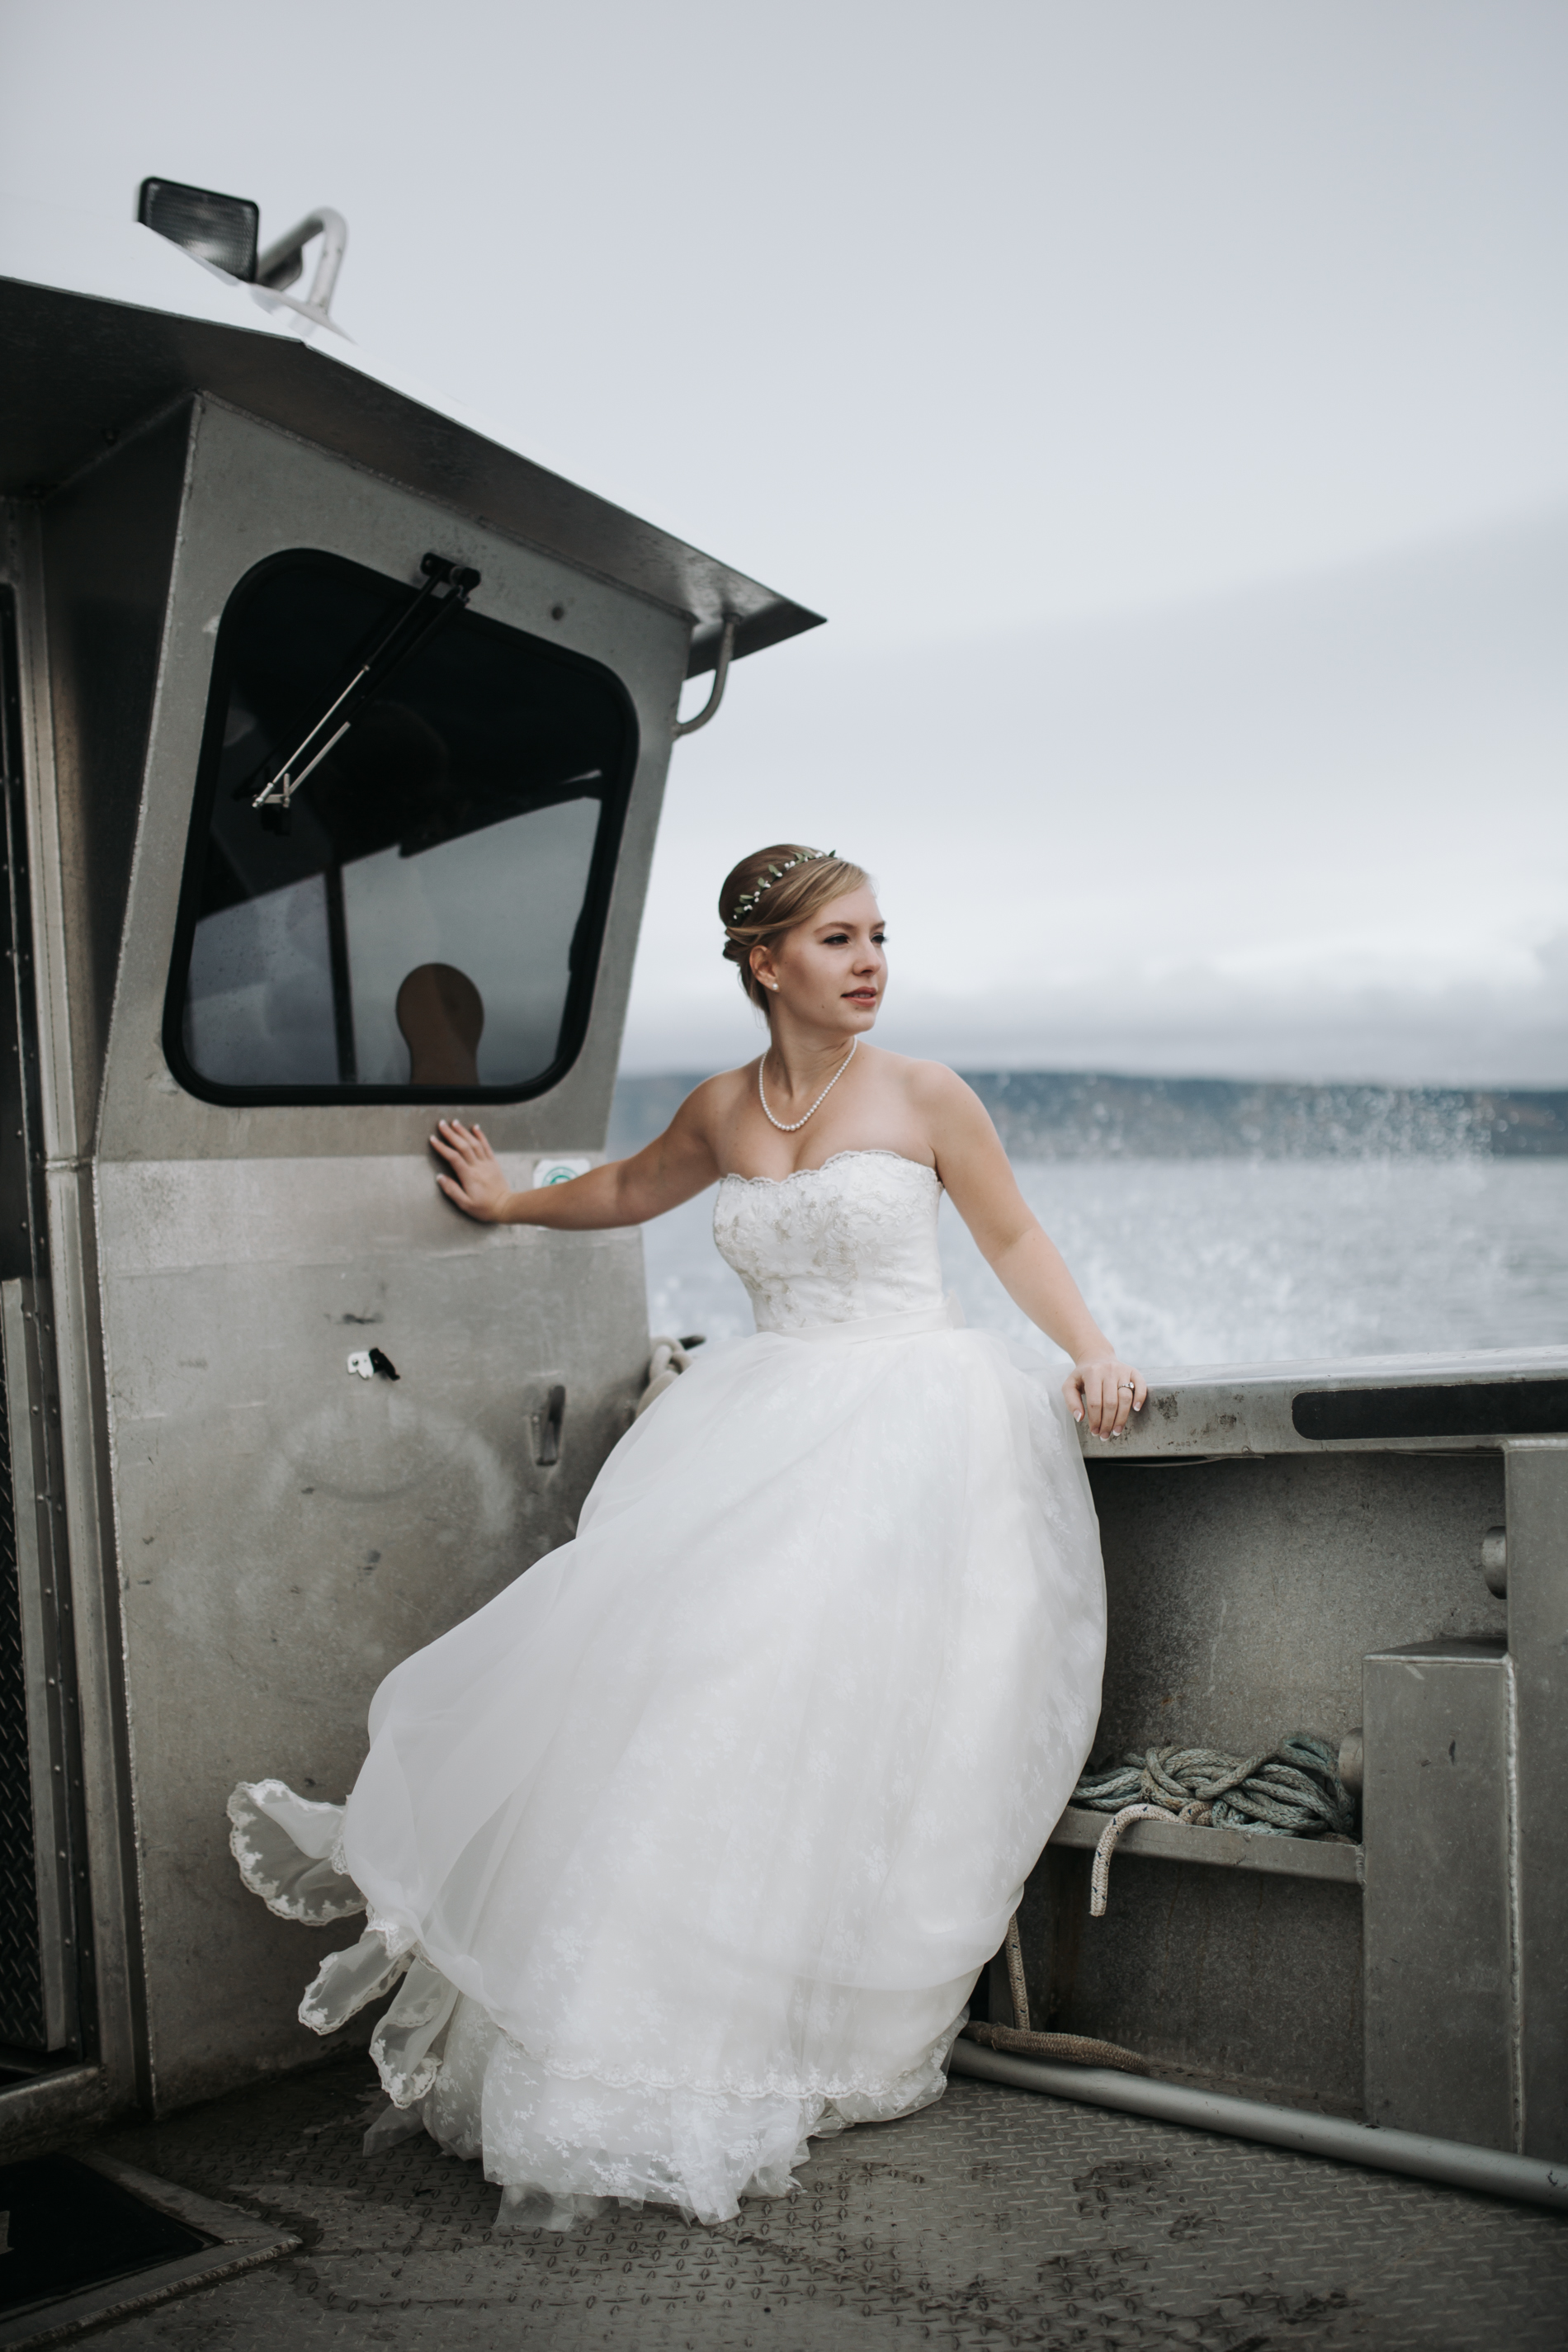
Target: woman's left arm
[[975, 1173]]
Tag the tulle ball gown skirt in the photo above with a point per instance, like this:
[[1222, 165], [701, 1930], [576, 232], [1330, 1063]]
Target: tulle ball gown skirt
[[691, 1844]]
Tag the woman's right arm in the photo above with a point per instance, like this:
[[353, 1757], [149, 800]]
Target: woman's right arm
[[673, 1168]]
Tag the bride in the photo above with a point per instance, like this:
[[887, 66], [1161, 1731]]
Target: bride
[[691, 1844]]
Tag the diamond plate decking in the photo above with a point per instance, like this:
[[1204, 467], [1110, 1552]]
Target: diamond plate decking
[[995, 2219]]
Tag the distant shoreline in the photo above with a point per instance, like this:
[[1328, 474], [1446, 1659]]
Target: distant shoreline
[[1098, 1115]]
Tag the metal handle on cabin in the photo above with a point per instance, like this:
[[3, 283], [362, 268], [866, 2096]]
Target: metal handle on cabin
[[721, 672], [547, 1424], [1494, 1561], [284, 261]]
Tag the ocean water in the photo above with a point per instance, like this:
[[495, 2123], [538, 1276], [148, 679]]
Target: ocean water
[[1196, 1261]]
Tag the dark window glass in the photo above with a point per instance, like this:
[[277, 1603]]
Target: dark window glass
[[429, 922]]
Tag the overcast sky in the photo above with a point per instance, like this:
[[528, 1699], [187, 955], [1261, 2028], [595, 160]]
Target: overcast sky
[[1165, 400]]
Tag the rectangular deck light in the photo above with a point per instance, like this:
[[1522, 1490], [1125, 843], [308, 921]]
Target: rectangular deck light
[[220, 229]]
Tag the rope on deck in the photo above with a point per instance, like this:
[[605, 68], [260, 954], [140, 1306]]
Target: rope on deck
[[1077, 2048], [1100, 1877], [1291, 1790]]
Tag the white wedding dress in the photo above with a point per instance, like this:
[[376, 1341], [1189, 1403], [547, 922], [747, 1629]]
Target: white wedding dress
[[691, 1844]]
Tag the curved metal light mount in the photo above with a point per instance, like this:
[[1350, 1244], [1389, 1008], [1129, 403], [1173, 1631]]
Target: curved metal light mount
[[284, 261], [721, 672]]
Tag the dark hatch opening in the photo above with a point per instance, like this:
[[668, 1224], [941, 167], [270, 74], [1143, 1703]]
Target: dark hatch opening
[[428, 923], [66, 2228]]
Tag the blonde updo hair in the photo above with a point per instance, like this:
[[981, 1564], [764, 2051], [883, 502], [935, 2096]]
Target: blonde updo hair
[[761, 901]]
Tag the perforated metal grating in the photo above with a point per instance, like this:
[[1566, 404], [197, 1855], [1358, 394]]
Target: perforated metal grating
[[21, 1982], [995, 2219]]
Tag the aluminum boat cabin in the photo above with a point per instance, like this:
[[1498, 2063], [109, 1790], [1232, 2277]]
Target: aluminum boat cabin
[[253, 955]]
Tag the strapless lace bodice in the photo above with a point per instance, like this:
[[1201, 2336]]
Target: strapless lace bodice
[[856, 1237]]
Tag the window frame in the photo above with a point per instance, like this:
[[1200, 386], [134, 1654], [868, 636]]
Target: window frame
[[588, 940]]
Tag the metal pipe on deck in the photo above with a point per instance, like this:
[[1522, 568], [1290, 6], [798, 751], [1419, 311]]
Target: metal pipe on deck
[[1527, 2179]]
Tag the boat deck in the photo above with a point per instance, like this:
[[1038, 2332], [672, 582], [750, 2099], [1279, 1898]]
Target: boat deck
[[997, 2218]]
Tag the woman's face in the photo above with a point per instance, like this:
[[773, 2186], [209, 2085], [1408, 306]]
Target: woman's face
[[831, 971]]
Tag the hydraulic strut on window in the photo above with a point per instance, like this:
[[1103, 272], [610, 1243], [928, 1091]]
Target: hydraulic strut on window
[[446, 589]]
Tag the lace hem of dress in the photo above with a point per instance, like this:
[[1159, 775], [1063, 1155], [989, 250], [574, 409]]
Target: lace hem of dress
[[347, 1981], [290, 1852], [561, 2149], [562, 2140]]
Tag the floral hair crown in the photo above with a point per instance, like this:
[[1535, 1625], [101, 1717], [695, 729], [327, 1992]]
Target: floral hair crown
[[776, 874]]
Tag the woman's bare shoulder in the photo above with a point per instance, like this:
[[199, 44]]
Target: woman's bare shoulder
[[932, 1087], [716, 1099]]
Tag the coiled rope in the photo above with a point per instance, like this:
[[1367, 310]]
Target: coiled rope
[[1291, 1790]]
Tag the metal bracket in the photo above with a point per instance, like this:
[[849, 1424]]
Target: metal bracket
[[284, 261], [721, 672]]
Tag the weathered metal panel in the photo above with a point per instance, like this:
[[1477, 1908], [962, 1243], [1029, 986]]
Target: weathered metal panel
[[1437, 1931], [1538, 1645], [288, 1531], [1420, 1404], [1243, 1595], [109, 549], [1244, 1981]]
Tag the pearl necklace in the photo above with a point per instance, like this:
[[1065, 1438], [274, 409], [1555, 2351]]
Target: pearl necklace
[[789, 1127]]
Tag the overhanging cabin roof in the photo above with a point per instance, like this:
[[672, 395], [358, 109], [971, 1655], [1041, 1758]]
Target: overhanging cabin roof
[[105, 324]]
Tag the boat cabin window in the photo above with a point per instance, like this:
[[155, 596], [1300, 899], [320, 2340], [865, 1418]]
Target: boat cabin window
[[423, 919]]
